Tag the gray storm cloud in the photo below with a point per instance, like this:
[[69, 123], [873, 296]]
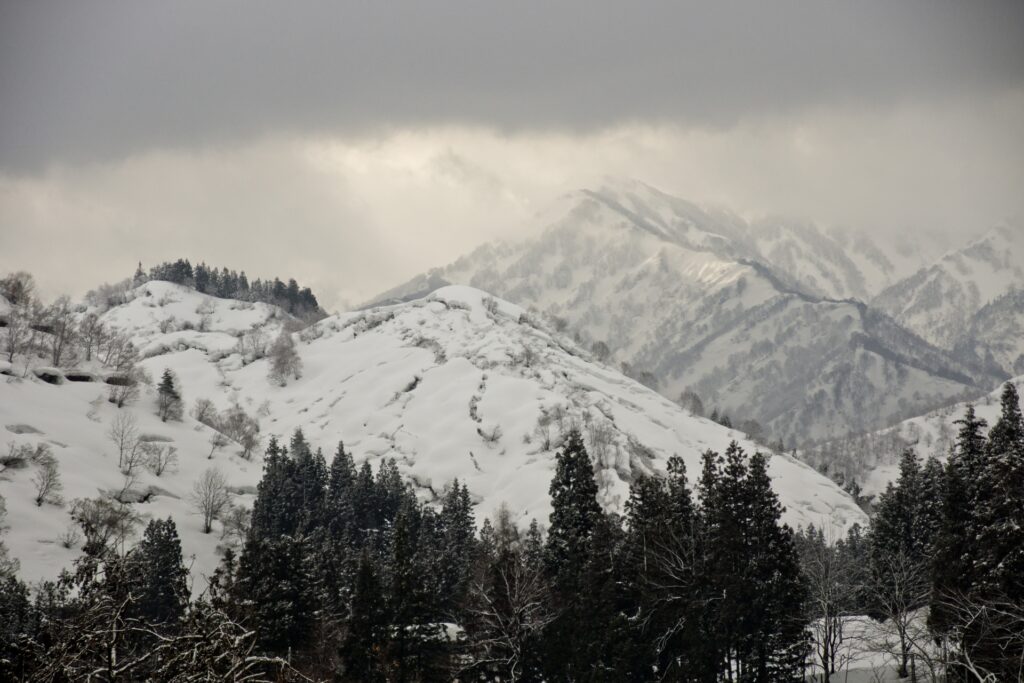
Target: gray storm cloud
[[97, 80], [355, 144]]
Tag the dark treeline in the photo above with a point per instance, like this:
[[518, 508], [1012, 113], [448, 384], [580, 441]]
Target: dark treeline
[[946, 541], [228, 284], [344, 575]]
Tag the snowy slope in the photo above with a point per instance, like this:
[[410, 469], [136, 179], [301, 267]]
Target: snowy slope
[[873, 459], [940, 301], [73, 419], [688, 297], [454, 385], [996, 333]]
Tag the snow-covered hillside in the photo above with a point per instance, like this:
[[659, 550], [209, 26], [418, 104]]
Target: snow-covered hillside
[[939, 302], [996, 333], [702, 301], [873, 459], [453, 385]]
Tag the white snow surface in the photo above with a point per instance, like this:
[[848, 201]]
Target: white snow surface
[[422, 382], [739, 313], [939, 302]]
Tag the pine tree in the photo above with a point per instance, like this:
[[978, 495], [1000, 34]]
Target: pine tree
[[953, 568], [168, 403], [779, 635], [575, 511], [160, 576], [274, 585], [1000, 562], [367, 628], [341, 481], [574, 517], [458, 545]]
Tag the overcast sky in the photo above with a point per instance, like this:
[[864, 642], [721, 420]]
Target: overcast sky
[[354, 144]]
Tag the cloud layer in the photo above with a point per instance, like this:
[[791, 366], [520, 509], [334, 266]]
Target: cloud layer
[[355, 144], [100, 80]]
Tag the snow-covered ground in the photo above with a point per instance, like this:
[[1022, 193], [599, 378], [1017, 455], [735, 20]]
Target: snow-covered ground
[[933, 434], [453, 385], [702, 301], [939, 301]]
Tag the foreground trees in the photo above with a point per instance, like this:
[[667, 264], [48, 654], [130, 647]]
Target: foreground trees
[[342, 573]]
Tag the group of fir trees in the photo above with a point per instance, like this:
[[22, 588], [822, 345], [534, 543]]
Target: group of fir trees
[[950, 538], [229, 284], [344, 575]]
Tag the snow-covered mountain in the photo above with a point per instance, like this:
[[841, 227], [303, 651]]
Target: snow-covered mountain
[[940, 302], [872, 460], [700, 300], [455, 385]]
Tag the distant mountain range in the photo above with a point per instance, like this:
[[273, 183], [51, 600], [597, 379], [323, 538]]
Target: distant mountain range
[[813, 335]]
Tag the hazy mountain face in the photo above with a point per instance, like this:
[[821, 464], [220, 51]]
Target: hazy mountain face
[[757, 319], [968, 299]]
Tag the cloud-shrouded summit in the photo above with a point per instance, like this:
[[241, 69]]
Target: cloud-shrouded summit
[[395, 137]]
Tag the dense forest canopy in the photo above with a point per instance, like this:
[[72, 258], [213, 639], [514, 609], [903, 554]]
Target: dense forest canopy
[[229, 284]]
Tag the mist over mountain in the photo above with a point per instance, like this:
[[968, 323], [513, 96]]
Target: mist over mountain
[[771, 322]]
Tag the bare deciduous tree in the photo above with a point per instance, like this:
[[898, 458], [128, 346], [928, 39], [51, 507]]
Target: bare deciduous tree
[[210, 496], [284, 359], [253, 344], [47, 482], [16, 333], [159, 458], [901, 589], [63, 330], [124, 389], [205, 411], [18, 288], [124, 433], [104, 522], [987, 638], [91, 334], [509, 603], [832, 587], [217, 442], [241, 427]]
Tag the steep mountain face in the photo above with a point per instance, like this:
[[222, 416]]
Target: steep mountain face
[[700, 301], [940, 302], [996, 333], [456, 385], [872, 459]]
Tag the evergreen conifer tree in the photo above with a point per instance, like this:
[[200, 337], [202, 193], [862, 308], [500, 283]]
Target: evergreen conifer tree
[[160, 577], [168, 402]]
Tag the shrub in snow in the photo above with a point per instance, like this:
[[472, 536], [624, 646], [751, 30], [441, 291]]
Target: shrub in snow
[[160, 458], [70, 537], [284, 359], [205, 411], [491, 434], [490, 305]]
